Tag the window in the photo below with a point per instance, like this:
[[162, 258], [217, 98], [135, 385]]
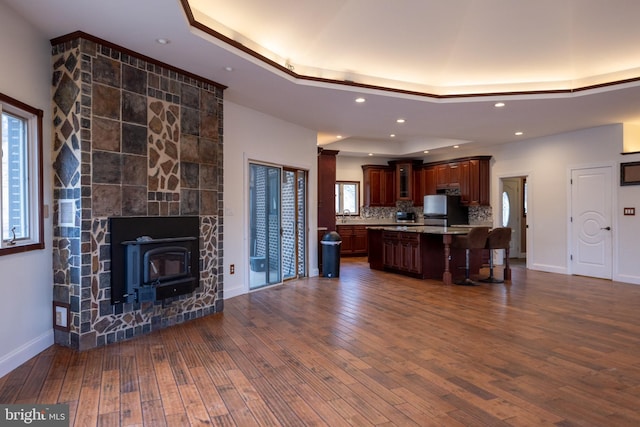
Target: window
[[22, 226], [347, 197], [506, 208]]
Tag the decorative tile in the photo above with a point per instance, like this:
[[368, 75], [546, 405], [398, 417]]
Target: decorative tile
[[66, 94]]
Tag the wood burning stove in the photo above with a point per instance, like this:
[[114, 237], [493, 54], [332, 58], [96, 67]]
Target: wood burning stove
[[153, 258]]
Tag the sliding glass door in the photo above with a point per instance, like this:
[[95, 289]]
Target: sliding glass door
[[277, 222]]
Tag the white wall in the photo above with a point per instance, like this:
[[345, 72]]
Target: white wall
[[251, 135], [26, 279], [548, 162]]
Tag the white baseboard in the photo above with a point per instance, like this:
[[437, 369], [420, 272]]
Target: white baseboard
[[634, 280], [549, 268], [17, 357]]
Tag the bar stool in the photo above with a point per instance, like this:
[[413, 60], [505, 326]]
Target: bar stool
[[499, 238], [475, 239]]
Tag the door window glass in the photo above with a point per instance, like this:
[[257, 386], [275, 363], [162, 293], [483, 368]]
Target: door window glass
[[506, 208]]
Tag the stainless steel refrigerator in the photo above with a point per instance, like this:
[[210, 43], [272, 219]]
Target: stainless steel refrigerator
[[444, 210]]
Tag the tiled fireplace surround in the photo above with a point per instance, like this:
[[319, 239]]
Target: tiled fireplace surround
[[132, 137]]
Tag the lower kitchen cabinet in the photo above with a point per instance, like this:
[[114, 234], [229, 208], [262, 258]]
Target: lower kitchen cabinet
[[401, 251], [354, 240]]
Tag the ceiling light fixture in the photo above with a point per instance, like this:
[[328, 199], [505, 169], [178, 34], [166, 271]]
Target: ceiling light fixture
[[519, 133], [339, 136], [371, 154], [499, 104], [426, 151], [456, 146], [393, 135], [163, 41], [360, 100], [400, 121], [228, 68]]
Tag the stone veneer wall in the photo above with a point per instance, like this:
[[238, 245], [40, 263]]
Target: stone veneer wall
[[131, 138]]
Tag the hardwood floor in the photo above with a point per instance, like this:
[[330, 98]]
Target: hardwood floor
[[369, 348]]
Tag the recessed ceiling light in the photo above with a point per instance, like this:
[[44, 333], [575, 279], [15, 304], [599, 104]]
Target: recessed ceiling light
[[426, 151], [371, 154], [163, 41], [456, 146], [400, 121], [339, 136], [393, 135], [519, 133], [360, 100], [228, 68], [499, 104]]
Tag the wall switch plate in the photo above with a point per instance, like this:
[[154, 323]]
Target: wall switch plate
[[232, 269], [629, 211]]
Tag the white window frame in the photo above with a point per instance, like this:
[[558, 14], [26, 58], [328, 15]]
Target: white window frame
[[340, 197], [34, 238]]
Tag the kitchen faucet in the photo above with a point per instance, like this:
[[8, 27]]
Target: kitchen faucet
[[345, 212]]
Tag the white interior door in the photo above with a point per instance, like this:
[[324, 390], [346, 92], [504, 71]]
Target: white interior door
[[591, 208]]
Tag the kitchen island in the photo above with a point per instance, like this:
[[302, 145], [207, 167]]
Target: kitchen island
[[420, 251]]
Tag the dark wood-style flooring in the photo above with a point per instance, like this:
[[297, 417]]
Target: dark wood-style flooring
[[369, 348]]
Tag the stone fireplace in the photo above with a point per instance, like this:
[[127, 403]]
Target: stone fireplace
[[132, 138]]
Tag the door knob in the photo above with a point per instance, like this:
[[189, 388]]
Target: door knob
[[605, 228]]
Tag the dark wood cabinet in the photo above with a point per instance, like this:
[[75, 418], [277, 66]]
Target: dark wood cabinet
[[327, 189], [388, 250], [442, 175], [401, 251], [418, 186], [379, 185], [429, 178], [404, 181], [454, 174], [411, 180], [464, 182], [470, 175], [354, 239], [375, 249], [479, 182], [417, 254]]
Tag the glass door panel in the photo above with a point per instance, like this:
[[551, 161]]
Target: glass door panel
[[294, 188], [289, 228], [302, 222], [265, 226]]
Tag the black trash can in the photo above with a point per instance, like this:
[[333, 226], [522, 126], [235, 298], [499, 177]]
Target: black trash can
[[331, 254]]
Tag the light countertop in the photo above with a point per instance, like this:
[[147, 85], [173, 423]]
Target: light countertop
[[426, 229]]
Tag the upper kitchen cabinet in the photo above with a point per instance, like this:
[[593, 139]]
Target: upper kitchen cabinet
[[407, 183], [412, 180], [418, 185], [379, 185], [479, 181], [470, 175], [429, 179]]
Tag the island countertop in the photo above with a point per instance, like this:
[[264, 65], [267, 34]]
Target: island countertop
[[424, 229]]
